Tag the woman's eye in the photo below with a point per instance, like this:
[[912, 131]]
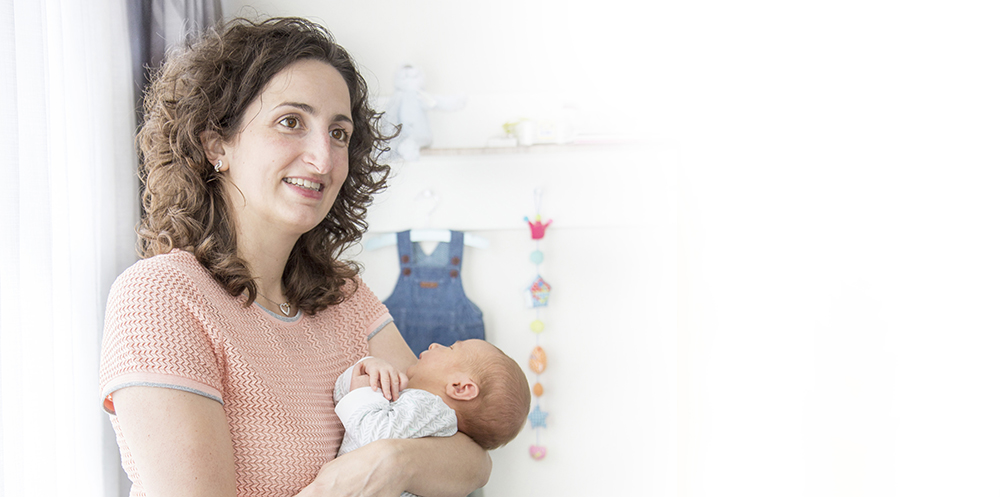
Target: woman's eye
[[289, 122], [339, 135]]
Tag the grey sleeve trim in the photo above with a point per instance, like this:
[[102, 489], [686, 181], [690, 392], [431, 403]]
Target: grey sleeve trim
[[383, 325], [159, 385]]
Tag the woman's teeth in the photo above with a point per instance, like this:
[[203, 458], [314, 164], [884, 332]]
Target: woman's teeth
[[304, 183]]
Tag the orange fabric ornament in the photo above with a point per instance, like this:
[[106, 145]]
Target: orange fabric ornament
[[537, 362]]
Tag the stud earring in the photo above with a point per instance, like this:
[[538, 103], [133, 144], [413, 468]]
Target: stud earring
[[218, 166]]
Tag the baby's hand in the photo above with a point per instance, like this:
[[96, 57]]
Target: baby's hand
[[377, 373]]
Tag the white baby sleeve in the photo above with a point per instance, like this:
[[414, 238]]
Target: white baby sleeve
[[343, 384], [368, 416]]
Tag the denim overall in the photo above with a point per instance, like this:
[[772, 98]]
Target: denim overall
[[429, 304]]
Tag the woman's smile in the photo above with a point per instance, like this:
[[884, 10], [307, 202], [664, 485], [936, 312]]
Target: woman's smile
[[305, 187]]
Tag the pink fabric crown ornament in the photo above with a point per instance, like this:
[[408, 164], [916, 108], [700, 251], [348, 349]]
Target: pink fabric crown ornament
[[537, 227]]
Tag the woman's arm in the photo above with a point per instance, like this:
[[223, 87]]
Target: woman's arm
[[456, 465], [179, 440], [432, 467], [389, 345]]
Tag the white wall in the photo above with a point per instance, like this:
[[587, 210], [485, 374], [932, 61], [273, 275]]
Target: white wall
[[840, 253], [609, 254]]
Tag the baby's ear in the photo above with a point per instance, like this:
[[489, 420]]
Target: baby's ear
[[462, 388]]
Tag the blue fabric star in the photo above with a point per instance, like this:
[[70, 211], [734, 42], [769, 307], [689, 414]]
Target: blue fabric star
[[537, 417]]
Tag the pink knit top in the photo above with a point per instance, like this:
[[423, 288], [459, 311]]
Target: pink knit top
[[169, 324]]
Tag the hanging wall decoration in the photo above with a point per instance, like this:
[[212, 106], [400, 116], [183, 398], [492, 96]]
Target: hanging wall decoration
[[537, 298]]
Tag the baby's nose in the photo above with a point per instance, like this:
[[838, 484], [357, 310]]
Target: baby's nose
[[434, 346]]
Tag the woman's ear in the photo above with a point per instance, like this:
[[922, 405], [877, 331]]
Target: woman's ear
[[211, 142], [462, 388]]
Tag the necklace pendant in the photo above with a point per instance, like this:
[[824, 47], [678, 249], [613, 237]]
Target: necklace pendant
[[285, 308]]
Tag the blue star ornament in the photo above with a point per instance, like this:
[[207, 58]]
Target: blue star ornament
[[537, 417]]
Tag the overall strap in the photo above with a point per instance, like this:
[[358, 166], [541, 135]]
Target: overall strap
[[405, 248], [455, 252]]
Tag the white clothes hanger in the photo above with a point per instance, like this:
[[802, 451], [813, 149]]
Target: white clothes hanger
[[425, 235], [432, 235]]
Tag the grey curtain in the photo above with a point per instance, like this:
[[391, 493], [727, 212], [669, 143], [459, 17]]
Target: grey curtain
[[158, 25]]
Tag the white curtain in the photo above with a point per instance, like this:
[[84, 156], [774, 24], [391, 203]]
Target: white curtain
[[68, 207]]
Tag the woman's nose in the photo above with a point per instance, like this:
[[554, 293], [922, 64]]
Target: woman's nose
[[434, 346], [319, 153]]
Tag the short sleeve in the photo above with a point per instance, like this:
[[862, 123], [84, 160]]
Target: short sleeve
[[156, 335], [370, 310]]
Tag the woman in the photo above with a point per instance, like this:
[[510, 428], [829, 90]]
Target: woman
[[221, 347]]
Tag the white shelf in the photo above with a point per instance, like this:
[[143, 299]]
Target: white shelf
[[474, 189], [533, 149]]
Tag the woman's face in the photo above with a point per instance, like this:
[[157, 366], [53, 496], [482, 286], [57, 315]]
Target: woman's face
[[289, 159]]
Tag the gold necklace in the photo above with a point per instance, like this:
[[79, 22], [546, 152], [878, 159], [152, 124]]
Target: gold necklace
[[285, 307]]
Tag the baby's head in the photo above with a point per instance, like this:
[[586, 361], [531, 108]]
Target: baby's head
[[487, 389]]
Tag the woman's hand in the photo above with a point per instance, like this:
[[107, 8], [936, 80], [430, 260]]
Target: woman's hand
[[378, 373], [430, 466], [374, 470]]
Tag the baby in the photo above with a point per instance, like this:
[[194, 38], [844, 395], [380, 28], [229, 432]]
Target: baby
[[471, 387]]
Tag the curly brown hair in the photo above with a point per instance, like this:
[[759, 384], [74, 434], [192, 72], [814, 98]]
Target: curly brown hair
[[208, 86]]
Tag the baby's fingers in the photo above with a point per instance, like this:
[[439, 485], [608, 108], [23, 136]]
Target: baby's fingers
[[381, 380], [404, 381], [390, 387], [375, 380], [394, 377]]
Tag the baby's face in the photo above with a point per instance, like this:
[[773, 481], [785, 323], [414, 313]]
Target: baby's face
[[438, 360]]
